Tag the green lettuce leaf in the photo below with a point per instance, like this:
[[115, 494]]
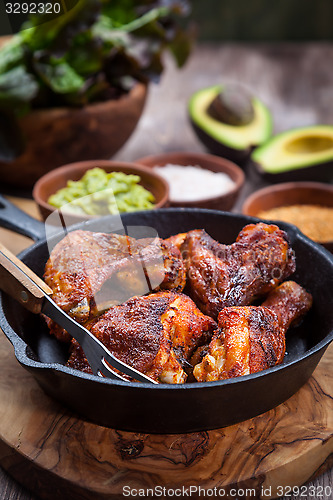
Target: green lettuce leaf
[[17, 86], [60, 77], [11, 54], [96, 51]]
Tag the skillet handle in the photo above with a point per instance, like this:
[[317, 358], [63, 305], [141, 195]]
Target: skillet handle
[[11, 217], [21, 283]]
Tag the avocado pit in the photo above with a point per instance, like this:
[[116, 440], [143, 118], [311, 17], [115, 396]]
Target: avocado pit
[[233, 106], [229, 122]]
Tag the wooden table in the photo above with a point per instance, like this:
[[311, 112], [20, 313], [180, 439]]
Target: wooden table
[[295, 81]]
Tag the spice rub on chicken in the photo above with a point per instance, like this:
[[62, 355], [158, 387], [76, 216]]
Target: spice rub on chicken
[[105, 281], [156, 334], [252, 338], [220, 275], [90, 272]]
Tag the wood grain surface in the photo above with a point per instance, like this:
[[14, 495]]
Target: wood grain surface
[[42, 443], [296, 82]]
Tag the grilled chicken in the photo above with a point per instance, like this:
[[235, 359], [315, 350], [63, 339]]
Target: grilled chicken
[[90, 272], [155, 334], [104, 281], [252, 338], [219, 275], [177, 240]]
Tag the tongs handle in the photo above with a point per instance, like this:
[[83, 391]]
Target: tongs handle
[[14, 281]]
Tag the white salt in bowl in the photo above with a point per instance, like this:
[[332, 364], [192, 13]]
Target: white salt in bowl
[[223, 201]]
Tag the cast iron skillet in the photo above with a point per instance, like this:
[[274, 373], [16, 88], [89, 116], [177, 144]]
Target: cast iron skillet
[[164, 408]]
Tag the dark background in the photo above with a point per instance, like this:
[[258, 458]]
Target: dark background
[[256, 20], [264, 20], [11, 23]]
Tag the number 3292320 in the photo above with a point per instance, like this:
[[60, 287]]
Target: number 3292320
[[33, 8]]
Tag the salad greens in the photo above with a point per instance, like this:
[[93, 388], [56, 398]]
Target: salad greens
[[96, 51]]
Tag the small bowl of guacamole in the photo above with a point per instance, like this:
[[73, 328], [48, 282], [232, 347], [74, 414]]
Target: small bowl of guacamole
[[96, 188]]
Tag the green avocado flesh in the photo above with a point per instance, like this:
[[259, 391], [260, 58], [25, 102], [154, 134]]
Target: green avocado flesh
[[295, 149], [238, 137]]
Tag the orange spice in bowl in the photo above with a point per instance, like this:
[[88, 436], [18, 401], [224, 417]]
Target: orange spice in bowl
[[307, 205], [314, 221]]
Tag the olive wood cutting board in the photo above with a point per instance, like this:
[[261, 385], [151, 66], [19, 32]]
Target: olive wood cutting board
[[56, 454]]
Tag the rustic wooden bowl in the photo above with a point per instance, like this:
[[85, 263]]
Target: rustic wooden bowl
[[58, 178], [290, 193], [210, 162], [58, 136]]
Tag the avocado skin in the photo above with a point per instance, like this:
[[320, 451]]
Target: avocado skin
[[238, 156], [222, 144], [320, 172]]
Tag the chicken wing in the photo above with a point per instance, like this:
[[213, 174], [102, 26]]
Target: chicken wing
[[250, 338], [89, 272], [155, 334], [219, 275], [177, 240]]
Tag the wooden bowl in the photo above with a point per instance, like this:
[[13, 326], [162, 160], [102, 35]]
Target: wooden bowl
[[290, 193], [57, 136], [58, 178], [209, 162]]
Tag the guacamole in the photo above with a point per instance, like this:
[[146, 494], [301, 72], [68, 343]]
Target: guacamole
[[100, 193]]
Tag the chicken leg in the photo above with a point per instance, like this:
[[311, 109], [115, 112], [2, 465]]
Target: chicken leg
[[219, 275], [155, 334], [90, 272], [252, 338]]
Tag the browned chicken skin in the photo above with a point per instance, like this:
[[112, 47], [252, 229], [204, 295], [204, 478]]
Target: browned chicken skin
[[177, 240], [219, 275], [250, 338], [290, 302], [164, 334], [155, 334], [89, 272]]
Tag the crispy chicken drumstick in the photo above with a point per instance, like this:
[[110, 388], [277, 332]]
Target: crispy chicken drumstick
[[155, 334], [90, 272], [235, 275], [104, 281], [250, 338]]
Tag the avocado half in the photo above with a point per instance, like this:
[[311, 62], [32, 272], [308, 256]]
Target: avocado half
[[230, 141], [300, 154]]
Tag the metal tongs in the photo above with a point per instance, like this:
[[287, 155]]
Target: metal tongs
[[26, 287]]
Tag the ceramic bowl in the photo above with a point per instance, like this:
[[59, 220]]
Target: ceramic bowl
[[60, 135], [290, 193], [210, 162], [58, 178]]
